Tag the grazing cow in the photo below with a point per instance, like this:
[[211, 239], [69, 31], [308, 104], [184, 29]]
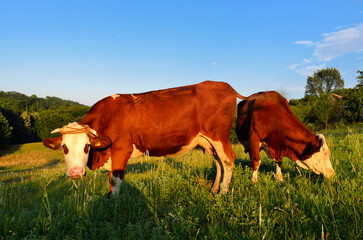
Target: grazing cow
[[266, 122], [167, 122]]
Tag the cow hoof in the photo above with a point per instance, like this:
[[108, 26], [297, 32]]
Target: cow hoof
[[224, 191], [113, 195], [254, 180], [214, 191]]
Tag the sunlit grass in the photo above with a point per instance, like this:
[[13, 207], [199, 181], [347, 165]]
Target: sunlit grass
[[169, 198]]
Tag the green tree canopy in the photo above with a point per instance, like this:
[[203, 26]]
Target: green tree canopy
[[360, 79], [5, 130], [323, 82]]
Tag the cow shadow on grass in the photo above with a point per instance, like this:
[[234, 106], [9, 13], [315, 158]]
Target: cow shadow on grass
[[61, 208]]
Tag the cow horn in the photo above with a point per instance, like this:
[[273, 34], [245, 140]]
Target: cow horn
[[57, 130], [93, 133]]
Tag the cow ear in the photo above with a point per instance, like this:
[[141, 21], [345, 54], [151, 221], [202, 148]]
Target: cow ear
[[322, 141], [53, 143], [101, 142]]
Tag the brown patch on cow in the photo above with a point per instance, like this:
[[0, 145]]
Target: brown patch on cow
[[65, 149], [119, 173], [53, 143], [86, 148]]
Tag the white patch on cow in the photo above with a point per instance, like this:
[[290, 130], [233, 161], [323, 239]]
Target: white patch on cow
[[197, 140], [116, 184], [226, 164], [255, 173], [114, 96], [76, 157], [136, 152], [302, 164], [108, 164], [319, 162], [278, 176]]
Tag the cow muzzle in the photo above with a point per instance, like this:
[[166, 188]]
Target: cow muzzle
[[77, 172], [329, 173]]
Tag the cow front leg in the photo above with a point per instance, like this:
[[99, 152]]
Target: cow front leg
[[116, 180], [278, 176], [109, 180], [120, 156]]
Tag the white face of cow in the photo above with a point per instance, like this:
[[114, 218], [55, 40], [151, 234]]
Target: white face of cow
[[319, 162], [76, 149], [76, 141]]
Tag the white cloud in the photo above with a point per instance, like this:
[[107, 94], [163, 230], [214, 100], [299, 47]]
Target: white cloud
[[337, 43], [306, 43], [306, 60], [309, 70], [333, 45], [293, 66]]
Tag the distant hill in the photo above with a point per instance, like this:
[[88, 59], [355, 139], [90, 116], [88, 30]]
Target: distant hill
[[19, 102], [30, 118]]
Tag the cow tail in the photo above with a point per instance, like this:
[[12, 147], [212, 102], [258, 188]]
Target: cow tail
[[241, 97]]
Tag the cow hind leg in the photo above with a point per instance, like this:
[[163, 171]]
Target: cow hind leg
[[255, 158], [225, 158], [219, 174], [255, 166]]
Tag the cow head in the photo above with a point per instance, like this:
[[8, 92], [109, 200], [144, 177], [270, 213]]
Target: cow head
[[76, 141], [319, 162]]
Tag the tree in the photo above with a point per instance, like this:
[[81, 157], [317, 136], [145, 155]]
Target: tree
[[5, 130], [354, 99], [360, 79], [324, 82]]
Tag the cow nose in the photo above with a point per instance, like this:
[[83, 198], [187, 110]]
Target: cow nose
[[76, 172]]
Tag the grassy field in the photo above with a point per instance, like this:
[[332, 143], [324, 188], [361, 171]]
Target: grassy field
[[168, 198]]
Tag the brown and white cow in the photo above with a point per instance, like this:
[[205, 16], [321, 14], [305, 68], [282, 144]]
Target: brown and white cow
[[266, 122], [167, 122]]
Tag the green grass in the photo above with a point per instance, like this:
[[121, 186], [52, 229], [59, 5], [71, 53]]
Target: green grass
[[168, 198]]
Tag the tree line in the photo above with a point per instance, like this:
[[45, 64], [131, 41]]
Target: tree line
[[326, 103], [26, 119]]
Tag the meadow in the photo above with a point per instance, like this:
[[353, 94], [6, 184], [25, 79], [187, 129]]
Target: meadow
[[169, 198]]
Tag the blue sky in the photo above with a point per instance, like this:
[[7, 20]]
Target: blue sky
[[87, 50]]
